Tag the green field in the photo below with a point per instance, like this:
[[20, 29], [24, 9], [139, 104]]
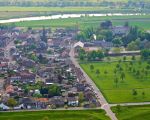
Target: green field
[[14, 12], [142, 21], [50, 9], [122, 91], [133, 113], [55, 115]]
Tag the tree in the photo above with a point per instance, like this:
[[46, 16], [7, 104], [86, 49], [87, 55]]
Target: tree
[[106, 24], [91, 67], [37, 95], [134, 45], [97, 72], [115, 71], [134, 92], [133, 57], [81, 97], [106, 72], [145, 54], [146, 73], [143, 94], [124, 58], [116, 81], [138, 73], [118, 108], [11, 102], [117, 42], [122, 76], [44, 37], [126, 24], [134, 71], [54, 90], [42, 59]]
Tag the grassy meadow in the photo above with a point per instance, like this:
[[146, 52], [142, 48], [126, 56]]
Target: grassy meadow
[[137, 78], [133, 112], [11, 12], [55, 115], [141, 21]]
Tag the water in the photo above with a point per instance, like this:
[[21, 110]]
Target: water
[[63, 16]]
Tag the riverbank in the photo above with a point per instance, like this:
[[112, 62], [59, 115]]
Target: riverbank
[[62, 16]]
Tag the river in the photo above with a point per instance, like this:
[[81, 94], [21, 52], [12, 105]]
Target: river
[[63, 16]]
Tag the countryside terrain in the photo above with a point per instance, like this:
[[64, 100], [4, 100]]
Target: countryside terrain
[[141, 21], [55, 115], [121, 79], [132, 112], [121, 91]]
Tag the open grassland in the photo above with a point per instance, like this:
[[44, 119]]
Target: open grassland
[[133, 112], [51, 9], [11, 11], [121, 91], [55, 115], [83, 22]]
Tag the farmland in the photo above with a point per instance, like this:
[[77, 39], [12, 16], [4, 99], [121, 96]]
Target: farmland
[[55, 115], [133, 112], [123, 90], [14, 12], [140, 21]]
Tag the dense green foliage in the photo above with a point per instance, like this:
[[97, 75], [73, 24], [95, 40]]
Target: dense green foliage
[[133, 39], [63, 3], [145, 54]]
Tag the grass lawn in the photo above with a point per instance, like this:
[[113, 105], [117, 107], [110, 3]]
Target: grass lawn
[[133, 112], [122, 91], [55, 115], [83, 22]]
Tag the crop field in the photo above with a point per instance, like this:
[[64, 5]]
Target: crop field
[[55, 115], [133, 87], [11, 11], [133, 112], [84, 22]]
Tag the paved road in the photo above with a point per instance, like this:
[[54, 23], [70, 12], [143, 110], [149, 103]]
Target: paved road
[[102, 100], [130, 104], [8, 48]]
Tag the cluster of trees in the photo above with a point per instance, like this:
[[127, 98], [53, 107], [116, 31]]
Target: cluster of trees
[[135, 93], [121, 69], [135, 39], [95, 55], [42, 59], [63, 3], [50, 3], [45, 91], [88, 34], [145, 54], [52, 90], [91, 56], [97, 71]]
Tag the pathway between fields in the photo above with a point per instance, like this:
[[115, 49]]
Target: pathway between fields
[[131, 104]]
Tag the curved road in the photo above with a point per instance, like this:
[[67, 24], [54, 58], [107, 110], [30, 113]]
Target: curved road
[[102, 100]]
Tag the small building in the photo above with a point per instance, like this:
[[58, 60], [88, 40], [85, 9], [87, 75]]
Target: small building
[[58, 101], [73, 101], [120, 30]]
